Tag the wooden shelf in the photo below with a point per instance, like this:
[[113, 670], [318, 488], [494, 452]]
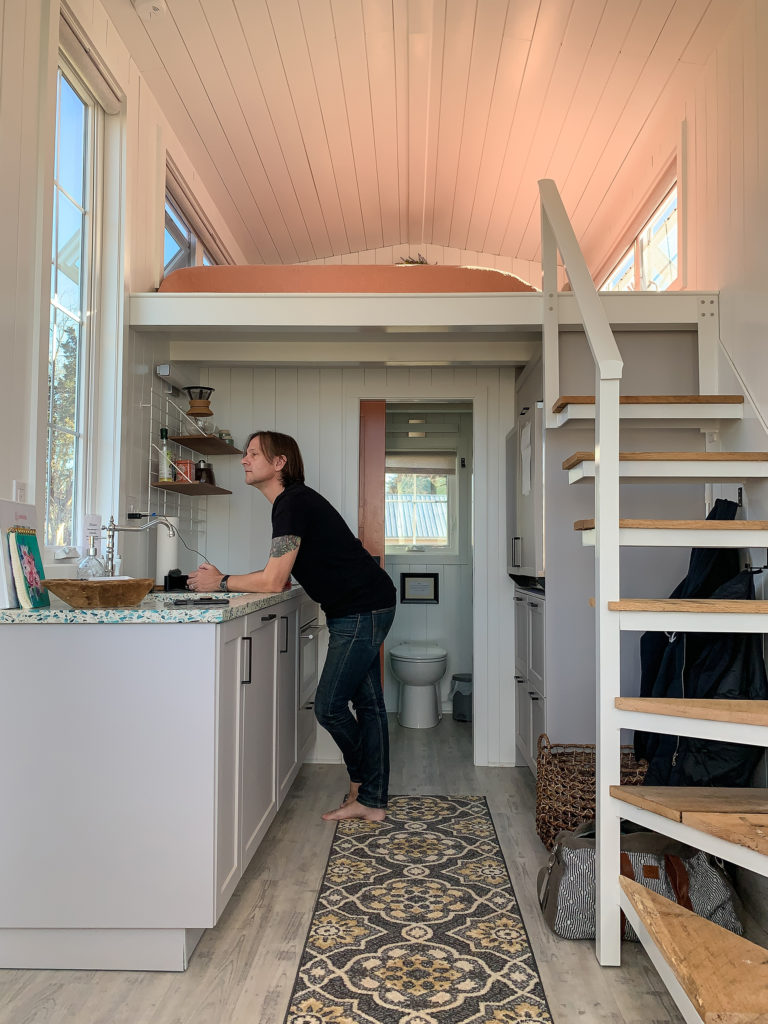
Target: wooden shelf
[[208, 444], [194, 490], [724, 976], [740, 712], [736, 815]]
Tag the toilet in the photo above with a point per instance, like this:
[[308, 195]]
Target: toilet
[[419, 667]]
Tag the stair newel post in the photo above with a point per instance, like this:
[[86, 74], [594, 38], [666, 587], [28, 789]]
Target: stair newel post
[[549, 318], [607, 654]]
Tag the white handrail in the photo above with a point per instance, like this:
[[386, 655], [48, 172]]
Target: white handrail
[[557, 233], [599, 334]]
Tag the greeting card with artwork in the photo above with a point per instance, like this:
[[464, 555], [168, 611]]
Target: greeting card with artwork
[[27, 568]]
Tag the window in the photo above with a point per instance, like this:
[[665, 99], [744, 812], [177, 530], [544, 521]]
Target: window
[[72, 287], [182, 246], [420, 502], [650, 263]]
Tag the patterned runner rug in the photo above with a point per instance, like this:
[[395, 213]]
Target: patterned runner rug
[[416, 922]]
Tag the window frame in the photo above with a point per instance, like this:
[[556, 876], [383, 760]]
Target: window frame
[[91, 285], [634, 249], [433, 552]]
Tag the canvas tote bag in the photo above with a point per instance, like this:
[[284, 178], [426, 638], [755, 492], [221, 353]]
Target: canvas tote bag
[[683, 874]]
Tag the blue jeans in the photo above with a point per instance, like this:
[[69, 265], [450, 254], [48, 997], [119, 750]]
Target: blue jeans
[[352, 673]]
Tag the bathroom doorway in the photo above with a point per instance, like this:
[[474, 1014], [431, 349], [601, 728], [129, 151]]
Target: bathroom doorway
[[428, 534]]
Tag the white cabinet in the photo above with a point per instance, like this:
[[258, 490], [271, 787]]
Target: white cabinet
[[258, 788], [530, 673], [287, 753], [230, 658], [245, 745], [158, 779], [525, 494]]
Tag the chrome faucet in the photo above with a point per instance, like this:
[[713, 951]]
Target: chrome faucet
[[112, 528]]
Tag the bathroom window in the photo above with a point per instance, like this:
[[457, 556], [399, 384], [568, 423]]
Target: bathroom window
[[420, 502], [73, 285]]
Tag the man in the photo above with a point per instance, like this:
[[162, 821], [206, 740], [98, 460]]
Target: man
[[311, 541]]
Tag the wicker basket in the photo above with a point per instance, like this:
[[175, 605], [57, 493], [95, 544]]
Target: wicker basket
[[565, 784]]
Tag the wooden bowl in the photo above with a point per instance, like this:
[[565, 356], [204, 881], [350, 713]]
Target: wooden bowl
[[104, 593]]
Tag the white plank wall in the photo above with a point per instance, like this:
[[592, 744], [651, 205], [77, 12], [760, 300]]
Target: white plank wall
[[320, 407]]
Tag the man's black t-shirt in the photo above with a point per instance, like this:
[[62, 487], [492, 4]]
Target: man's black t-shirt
[[332, 565]]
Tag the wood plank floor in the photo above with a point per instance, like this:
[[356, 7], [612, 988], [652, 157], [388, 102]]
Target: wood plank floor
[[243, 970]]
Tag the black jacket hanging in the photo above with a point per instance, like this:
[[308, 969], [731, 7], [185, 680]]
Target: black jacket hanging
[[703, 665]]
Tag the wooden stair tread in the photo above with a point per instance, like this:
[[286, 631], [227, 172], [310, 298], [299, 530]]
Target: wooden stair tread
[[674, 802], [724, 975], [642, 604], [578, 457], [565, 400], [748, 829], [680, 524], [743, 712]]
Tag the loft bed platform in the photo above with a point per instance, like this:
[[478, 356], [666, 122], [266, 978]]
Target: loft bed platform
[[224, 314]]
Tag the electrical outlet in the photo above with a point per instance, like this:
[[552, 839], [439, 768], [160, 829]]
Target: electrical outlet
[[20, 492]]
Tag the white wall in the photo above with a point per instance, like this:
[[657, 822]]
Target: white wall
[[320, 408]]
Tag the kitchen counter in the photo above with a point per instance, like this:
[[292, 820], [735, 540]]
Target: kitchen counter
[[157, 607], [140, 767]]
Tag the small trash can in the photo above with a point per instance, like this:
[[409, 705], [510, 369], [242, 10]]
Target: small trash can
[[461, 689]]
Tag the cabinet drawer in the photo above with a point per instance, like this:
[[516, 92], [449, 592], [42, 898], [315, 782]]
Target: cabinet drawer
[[307, 725], [538, 719], [536, 669]]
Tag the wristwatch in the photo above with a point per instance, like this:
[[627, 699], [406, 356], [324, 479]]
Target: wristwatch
[[223, 583]]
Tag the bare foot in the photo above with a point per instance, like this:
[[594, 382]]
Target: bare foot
[[354, 788], [353, 809]]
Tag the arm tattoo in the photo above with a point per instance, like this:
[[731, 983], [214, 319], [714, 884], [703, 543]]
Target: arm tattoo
[[282, 545]]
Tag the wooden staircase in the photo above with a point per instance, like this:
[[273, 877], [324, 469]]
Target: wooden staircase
[[713, 975]]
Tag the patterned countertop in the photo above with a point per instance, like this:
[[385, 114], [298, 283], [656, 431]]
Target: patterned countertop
[[156, 607]]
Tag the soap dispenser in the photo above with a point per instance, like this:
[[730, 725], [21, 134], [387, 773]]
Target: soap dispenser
[[91, 567]]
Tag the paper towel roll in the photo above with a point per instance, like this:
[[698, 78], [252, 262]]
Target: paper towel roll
[[167, 550]]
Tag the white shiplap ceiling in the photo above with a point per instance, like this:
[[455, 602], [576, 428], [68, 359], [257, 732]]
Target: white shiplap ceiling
[[326, 127]]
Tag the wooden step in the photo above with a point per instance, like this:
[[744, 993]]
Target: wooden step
[[701, 533], [706, 615], [565, 400], [736, 815], [724, 976], [704, 604], [650, 410], [740, 712], [708, 467]]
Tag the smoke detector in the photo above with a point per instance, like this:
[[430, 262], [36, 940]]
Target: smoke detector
[[148, 9]]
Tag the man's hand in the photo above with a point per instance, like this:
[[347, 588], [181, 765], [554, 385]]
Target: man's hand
[[206, 579]]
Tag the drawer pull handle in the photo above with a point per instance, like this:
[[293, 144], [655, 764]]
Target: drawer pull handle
[[246, 662], [284, 650], [268, 618]]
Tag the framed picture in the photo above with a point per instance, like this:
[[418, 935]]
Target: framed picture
[[419, 588]]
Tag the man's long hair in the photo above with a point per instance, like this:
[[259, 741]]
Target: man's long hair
[[274, 444]]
